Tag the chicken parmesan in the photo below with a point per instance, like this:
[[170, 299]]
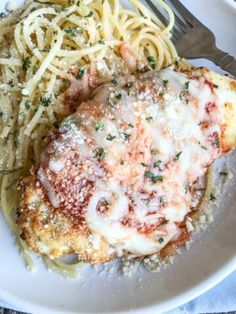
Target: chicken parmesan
[[116, 178]]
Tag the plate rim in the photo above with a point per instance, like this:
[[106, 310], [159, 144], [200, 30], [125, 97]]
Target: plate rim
[[199, 289]]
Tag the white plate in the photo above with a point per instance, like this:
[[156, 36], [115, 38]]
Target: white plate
[[210, 259]]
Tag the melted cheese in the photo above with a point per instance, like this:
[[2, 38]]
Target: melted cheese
[[149, 143]]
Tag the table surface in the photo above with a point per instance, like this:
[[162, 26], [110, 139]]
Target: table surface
[[8, 311]]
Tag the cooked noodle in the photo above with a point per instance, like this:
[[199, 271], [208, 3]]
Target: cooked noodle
[[44, 44]]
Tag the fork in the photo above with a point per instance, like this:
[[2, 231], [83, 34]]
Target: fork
[[192, 39]]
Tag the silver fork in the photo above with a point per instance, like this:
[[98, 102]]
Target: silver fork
[[192, 39]]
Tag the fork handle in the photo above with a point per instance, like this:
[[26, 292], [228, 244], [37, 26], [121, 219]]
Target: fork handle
[[224, 60]]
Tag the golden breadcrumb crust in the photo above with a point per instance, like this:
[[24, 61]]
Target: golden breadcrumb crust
[[51, 233], [225, 84]]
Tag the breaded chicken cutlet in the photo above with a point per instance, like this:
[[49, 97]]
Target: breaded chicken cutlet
[[116, 178]]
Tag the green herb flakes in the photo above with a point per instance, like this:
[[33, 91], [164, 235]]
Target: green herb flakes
[[45, 101], [165, 82], [153, 177], [26, 64], [212, 197], [7, 55], [99, 126], [80, 73], [27, 104], [110, 137], [177, 156], [89, 14], [186, 85], [10, 83], [149, 119], [153, 151], [99, 153], [118, 96], [151, 59]]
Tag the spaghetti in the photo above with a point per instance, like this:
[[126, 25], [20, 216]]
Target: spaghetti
[[45, 47]]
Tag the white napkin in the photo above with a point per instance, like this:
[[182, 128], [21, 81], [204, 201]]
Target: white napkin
[[221, 298]]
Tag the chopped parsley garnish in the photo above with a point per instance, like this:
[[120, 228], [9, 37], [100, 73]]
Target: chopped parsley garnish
[[165, 82], [45, 101], [27, 104], [157, 164], [7, 55], [217, 142], [34, 69], [161, 199], [151, 59], [1, 113], [126, 136], [185, 92], [153, 177], [149, 119], [153, 66], [110, 137], [10, 83], [122, 162], [2, 15], [153, 151], [26, 63], [203, 147], [143, 164], [161, 240], [118, 96], [80, 73], [114, 81], [89, 14], [152, 62], [177, 156], [186, 85], [99, 126], [186, 187], [212, 197], [131, 125], [110, 102], [101, 42], [99, 153], [16, 141], [12, 71], [71, 31]]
